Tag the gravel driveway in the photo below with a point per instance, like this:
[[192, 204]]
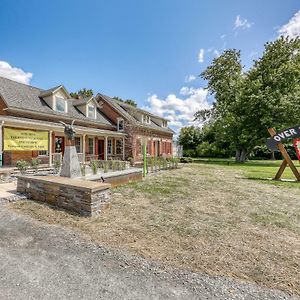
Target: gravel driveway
[[39, 261]]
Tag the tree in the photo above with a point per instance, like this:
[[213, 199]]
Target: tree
[[189, 137], [268, 95], [83, 92], [128, 101], [225, 79]]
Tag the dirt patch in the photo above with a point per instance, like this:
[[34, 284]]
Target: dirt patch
[[200, 218]]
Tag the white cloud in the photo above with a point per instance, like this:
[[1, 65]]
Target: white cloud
[[179, 110], [7, 71], [216, 53], [242, 23], [190, 78], [292, 28], [201, 56]]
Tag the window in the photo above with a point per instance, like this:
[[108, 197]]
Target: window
[[43, 153], [146, 119], [60, 104], [91, 111], [164, 124], [91, 145], [120, 124], [78, 144], [109, 146], [119, 147]]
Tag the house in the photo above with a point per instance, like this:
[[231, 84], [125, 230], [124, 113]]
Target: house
[[105, 128], [140, 127], [27, 110]]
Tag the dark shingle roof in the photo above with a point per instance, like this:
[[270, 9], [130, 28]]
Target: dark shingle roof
[[22, 96], [129, 112]]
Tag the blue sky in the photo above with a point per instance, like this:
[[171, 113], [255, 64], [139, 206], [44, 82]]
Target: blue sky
[[149, 51]]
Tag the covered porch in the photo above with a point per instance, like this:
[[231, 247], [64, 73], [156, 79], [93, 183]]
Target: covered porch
[[90, 143]]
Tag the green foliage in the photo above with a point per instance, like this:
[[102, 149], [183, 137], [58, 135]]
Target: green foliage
[[248, 103], [22, 165], [83, 169], [56, 165], [83, 92], [128, 101], [131, 161], [35, 162], [105, 166], [186, 160], [189, 137], [94, 166]]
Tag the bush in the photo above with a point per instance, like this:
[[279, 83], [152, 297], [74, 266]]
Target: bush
[[57, 165], [105, 166], [186, 160], [83, 169], [35, 162], [94, 166], [189, 153], [22, 165]]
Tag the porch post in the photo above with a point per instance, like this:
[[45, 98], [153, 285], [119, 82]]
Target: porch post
[[123, 148], [83, 148], [105, 148], [50, 148]]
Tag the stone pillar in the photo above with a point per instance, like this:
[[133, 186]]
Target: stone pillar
[[70, 166]]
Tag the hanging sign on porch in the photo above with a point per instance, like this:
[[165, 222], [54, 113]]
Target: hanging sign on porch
[[25, 140]]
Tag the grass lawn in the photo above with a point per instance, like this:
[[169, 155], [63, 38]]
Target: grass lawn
[[205, 217]]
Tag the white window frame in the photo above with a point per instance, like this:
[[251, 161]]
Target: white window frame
[[94, 108], [121, 147], [93, 152], [42, 155], [80, 138], [118, 125], [111, 147], [60, 98], [146, 119]]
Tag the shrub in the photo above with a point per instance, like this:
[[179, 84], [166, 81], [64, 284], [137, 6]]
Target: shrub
[[94, 166], [22, 165], [35, 162], [105, 166], [130, 159], [186, 160], [189, 153], [57, 165], [83, 169]]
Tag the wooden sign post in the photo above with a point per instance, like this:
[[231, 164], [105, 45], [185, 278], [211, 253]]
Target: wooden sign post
[[286, 159]]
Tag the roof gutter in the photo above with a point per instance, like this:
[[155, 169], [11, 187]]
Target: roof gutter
[[14, 109]]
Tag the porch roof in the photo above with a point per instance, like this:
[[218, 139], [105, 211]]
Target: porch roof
[[26, 123]]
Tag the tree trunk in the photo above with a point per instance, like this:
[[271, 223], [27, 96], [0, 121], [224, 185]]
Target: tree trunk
[[237, 154], [240, 155], [273, 156]]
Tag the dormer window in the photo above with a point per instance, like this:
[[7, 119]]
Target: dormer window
[[164, 124], [60, 104], [120, 124], [91, 111], [146, 119]]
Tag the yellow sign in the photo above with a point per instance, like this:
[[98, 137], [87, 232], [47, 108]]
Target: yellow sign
[[25, 140]]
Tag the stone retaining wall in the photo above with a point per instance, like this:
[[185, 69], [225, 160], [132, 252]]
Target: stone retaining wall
[[84, 197]]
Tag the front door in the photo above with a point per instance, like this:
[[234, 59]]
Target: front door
[[101, 149], [59, 145]]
